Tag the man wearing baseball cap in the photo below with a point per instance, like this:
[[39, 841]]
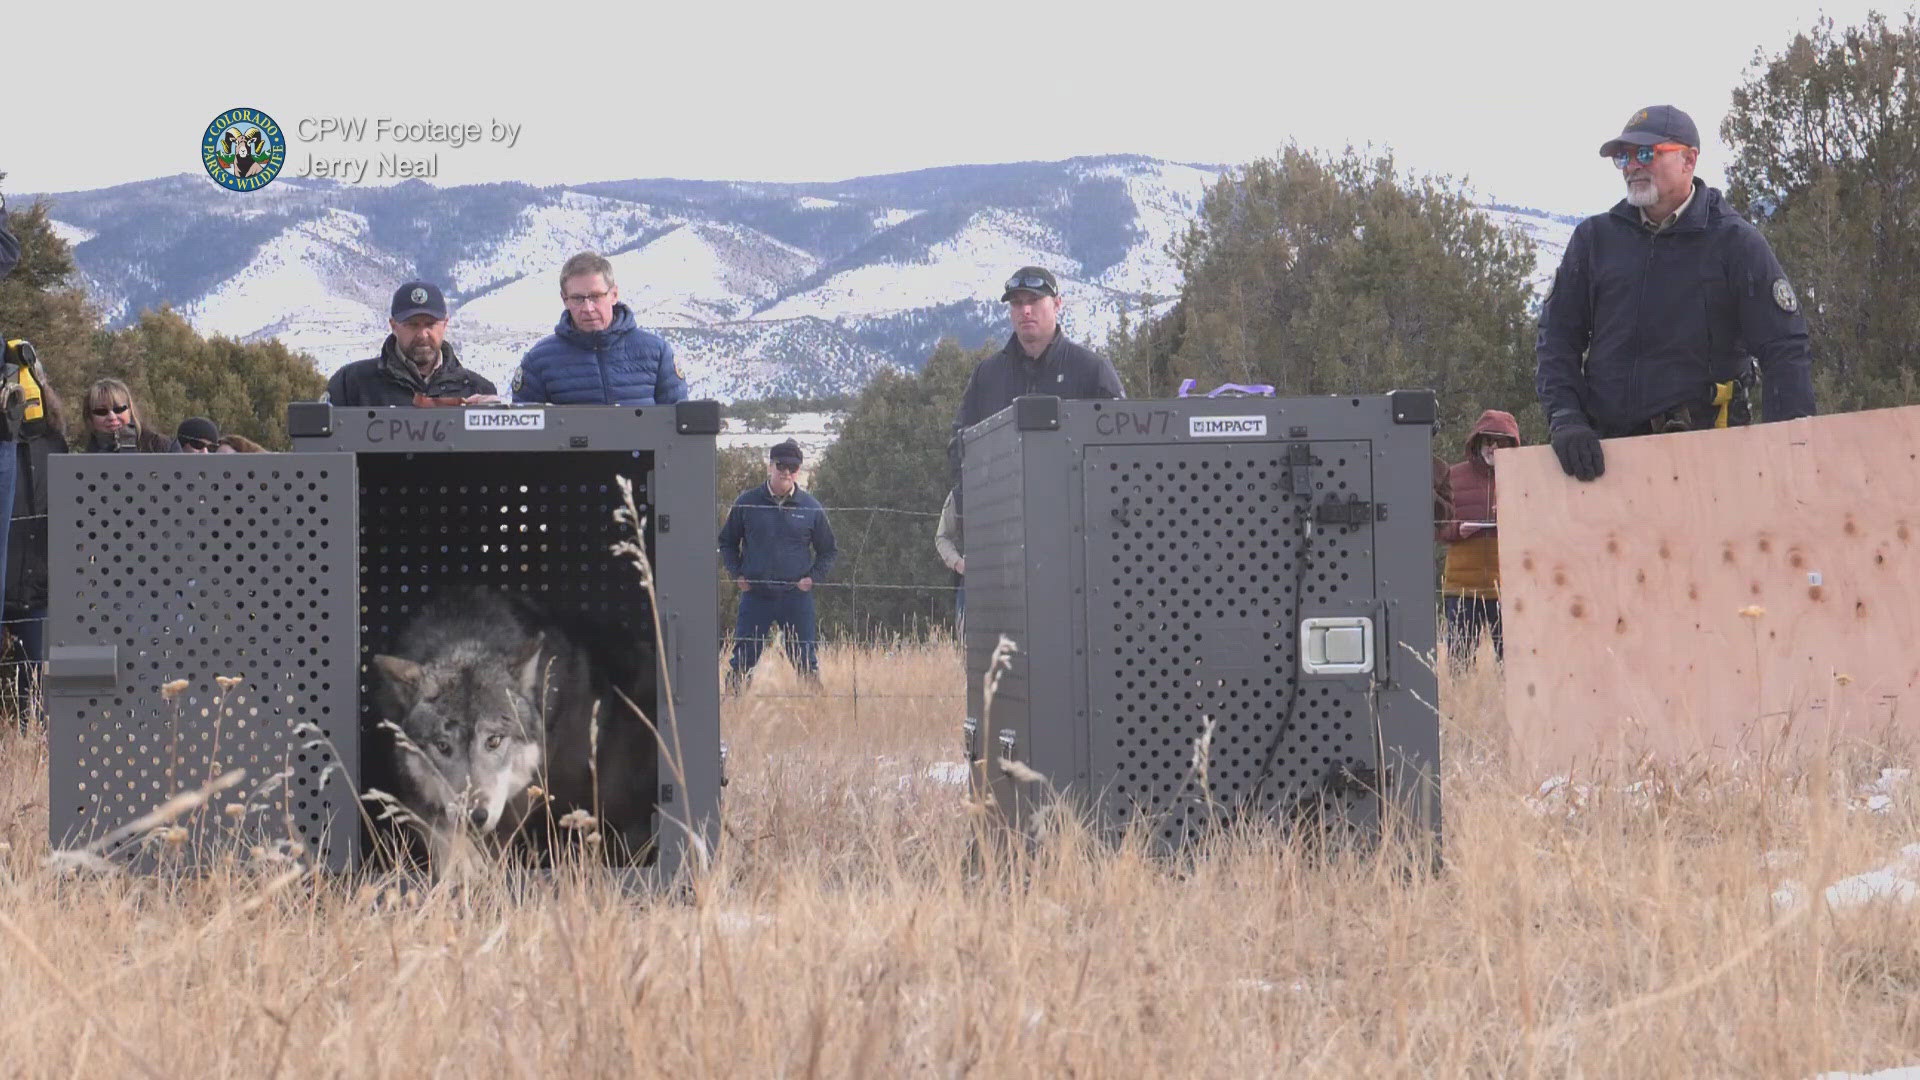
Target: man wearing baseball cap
[[415, 360], [776, 545], [1661, 307], [1037, 359]]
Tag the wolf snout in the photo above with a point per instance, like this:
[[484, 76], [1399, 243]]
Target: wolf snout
[[478, 816]]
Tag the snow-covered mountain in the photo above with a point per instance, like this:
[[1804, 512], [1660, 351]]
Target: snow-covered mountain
[[763, 289]]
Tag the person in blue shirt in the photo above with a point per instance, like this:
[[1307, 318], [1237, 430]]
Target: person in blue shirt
[[597, 354], [777, 546]]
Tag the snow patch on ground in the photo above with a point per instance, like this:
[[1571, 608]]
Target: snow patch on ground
[[320, 286], [968, 266], [814, 431], [948, 772], [1550, 239], [1877, 796], [1894, 883], [545, 236], [74, 235]]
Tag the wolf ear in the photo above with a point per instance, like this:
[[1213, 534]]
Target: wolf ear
[[526, 666], [404, 676]]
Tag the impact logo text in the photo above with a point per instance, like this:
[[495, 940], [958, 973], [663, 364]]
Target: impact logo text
[[507, 420], [1215, 427]]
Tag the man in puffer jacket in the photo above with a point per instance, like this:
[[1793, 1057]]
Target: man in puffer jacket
[[597, 354], [1470, 585]]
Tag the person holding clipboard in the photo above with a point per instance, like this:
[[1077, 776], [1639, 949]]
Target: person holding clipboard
[[1470, 584]]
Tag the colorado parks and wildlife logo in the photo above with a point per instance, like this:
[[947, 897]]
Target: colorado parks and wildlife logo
[[243, 149]]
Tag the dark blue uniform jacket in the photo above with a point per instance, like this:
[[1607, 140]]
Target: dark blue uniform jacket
[[1641, 322], [774, 543]]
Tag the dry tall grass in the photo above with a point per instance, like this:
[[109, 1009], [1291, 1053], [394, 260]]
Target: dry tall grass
[[1618, 928]]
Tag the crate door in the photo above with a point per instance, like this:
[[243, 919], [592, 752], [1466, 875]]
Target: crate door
[[170, 573], [1197, 561]]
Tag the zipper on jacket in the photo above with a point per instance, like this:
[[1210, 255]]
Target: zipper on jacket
[[1639, 323]]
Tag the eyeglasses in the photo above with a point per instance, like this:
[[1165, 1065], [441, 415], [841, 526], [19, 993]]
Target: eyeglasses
[[1642, 154], [192, 443], [576, 299], [1029, 282], [114, 410], [786, 466]]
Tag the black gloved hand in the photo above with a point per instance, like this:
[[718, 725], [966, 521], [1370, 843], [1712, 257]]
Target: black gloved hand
[[1579, 451]]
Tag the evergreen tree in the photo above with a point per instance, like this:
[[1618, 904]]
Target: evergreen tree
[[883, 482], [172, 370], [244, 387], [1826, 141], [1337, 275], [42, 302]]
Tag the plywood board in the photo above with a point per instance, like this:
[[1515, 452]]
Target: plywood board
[[1716, 593]]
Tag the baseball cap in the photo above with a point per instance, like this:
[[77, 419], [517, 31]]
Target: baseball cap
[[418, 298], [1651, 126], [1033, 279], [788, 451]]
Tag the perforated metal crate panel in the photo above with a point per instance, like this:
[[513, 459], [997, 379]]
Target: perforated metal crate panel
[[191, 567], [539, 524], [1193, 556]]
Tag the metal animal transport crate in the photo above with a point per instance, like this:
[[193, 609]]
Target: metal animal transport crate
[[1220, 607], [290, 571]]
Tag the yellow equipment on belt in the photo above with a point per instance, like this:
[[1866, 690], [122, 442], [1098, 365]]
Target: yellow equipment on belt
[[1722, 401], [22, 367]]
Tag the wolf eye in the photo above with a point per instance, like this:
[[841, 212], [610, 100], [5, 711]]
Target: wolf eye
[[494, 741], [444, 747]]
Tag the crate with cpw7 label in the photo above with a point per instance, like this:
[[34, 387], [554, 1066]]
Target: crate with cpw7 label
[[1202, 609]]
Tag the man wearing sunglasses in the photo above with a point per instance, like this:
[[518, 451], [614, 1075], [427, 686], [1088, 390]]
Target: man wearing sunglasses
[[1661, 307], [197, 435], [1037, 359], [776, 545], [415, 360]]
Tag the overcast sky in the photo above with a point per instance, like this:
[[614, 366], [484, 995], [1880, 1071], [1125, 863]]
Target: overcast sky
[[1516, 96]]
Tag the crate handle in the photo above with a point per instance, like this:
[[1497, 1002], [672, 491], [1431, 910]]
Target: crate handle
[[83, 667]]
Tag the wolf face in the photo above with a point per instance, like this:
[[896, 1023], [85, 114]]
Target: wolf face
[[473, 717]]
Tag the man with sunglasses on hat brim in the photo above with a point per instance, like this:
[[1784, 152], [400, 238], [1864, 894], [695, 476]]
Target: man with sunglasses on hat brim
[[1037, 359], [776, 545], [415, 361], [1661, 307]]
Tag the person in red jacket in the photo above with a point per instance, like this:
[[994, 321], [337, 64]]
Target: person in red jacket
[[1470, 585]]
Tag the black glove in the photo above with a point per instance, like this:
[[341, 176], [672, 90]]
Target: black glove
[[1579, 451]]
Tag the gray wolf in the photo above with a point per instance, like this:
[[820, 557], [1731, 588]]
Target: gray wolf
[[493, 694]]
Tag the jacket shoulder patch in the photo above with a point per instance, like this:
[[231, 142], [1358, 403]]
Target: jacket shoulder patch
[[1783, 297]]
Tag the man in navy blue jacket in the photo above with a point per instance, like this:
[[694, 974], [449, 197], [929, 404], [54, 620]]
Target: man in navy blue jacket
[[776, 545], [1661, 307], [597, 354]]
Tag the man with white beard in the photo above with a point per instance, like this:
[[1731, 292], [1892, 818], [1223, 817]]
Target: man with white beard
[[1661, 307]]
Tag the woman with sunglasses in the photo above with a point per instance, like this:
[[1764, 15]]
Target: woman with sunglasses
[[115, 423]]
